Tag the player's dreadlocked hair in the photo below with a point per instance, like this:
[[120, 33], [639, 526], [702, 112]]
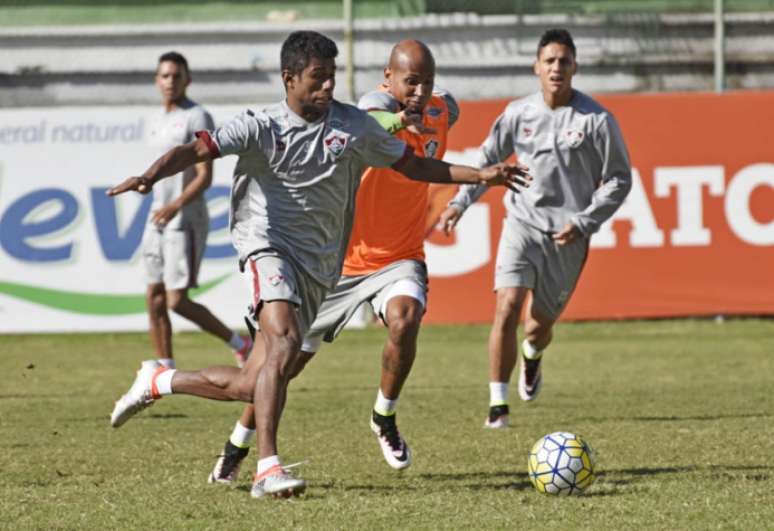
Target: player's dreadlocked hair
[[559, 36], [301, 46], [176, 58]]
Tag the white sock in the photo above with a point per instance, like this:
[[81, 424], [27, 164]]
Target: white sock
[[163, 382], [529, 351], [236, 341], [384, 406], [169, 363], [241, 436], [266, 463], [498, 393]]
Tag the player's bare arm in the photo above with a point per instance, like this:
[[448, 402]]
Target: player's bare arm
[[194, 189], [436, 171], [449, 219], [173, 161]]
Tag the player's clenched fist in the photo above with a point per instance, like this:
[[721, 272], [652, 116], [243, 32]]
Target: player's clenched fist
[[137, 184]]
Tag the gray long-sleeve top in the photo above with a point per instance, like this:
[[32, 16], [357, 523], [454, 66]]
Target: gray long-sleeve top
[[575, 153]]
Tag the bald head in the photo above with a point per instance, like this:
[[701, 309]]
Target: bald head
[[410, 74], [412, 54]]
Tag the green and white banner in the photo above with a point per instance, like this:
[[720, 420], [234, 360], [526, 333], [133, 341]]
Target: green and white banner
[[69, 255]]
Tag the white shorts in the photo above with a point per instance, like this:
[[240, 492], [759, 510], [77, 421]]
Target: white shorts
[[272, 277], [173, 256], [402, 278]]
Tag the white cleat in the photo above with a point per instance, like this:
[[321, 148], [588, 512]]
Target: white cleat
[[138, 397], [394, 448], [277, 483]]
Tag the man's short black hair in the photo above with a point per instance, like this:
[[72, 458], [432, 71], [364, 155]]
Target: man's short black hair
[[176, 58], [301, 46], [559, 36]]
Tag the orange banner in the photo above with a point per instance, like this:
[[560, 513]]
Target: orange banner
[[694, 237]]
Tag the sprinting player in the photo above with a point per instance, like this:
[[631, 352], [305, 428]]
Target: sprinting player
[[385, 262], [176, 234], [577, 156], [292, 205]]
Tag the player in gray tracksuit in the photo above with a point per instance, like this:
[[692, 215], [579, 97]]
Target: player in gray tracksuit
[[574, 149]]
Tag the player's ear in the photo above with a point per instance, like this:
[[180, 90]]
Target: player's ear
[[387, 76], [535, 67], [574, 66], [287, 78]]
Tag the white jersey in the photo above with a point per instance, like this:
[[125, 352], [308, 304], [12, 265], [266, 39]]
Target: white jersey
[[575, 153], [170, 129], [295, 181]]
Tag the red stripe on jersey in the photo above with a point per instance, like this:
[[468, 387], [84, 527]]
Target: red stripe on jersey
[[256, 286], [212, 147]]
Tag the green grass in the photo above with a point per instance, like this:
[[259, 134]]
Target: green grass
[[679, 413]]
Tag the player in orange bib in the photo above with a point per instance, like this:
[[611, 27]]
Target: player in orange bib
[[384, 264]]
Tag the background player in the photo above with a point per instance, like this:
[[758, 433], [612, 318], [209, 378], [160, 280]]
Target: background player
[[293, 193], [577, 155], [384, 263], [176, 234]]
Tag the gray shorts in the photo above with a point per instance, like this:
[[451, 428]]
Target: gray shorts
[[527, 257], [405, 277], [272, 277], [173, 256]]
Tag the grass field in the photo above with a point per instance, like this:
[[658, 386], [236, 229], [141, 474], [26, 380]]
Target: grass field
[[679, 413]]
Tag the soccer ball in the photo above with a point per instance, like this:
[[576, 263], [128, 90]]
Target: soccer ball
[[561, 463]]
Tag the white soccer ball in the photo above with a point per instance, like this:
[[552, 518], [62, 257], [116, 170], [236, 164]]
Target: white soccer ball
[[561, 463]]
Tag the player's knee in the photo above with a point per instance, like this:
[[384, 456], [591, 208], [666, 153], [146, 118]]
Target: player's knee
[[174, 300], [404, 319], [509, 303], [157, 302], [283, 351], [405, 324], [538, 332]]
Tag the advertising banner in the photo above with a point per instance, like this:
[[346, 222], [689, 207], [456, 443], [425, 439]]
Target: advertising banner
[[695, 236]]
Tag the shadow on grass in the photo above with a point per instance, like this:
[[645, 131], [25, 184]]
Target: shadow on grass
[[627, 476], [166, 416], [614, 482], [675, 418]]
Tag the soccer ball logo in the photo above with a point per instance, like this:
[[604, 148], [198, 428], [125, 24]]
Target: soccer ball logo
[[561, 463]]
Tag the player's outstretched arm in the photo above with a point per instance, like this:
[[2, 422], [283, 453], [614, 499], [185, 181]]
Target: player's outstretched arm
[[436, 171], [173, 161], [449, 219]]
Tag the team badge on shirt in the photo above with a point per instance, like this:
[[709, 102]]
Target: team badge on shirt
[[434, 112], [431, 148], [274, 280], [573, 137], [336, 143]]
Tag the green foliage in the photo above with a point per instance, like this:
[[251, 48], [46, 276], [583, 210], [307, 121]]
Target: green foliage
[[66, 12], [678, 412]]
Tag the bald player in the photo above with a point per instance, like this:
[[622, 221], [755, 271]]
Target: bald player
[[292, 205], [582, 175], [384, 264]]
